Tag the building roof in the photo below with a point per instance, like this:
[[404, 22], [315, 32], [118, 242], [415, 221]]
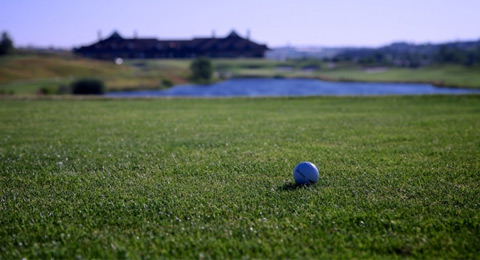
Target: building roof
[[232, 42]]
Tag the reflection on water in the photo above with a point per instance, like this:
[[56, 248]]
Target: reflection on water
[[257, 87]]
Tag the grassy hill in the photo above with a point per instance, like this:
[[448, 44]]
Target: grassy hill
[[25, 74], [34, 67], [212, 178]]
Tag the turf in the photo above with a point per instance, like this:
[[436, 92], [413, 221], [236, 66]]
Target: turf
[[197, 178], [35, 67], [444, 75]]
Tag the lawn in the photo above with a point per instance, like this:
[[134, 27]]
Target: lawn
[[442, 75], [212, 178]]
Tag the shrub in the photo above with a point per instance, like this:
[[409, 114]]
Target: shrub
[[202, 70], [167, 83], [6, 92], [88, 87]]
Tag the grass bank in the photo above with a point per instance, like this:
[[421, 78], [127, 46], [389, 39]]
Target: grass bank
[[439, 75], [195, 178], [28, 73], [436, 74]]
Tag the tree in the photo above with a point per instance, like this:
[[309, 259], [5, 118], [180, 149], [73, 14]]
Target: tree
[[473, 57], [202, 70], [450, 54], [6, 44]]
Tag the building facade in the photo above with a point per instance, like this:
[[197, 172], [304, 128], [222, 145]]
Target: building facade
[[116, 46]]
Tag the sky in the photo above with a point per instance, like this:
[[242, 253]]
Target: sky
[[328, 23]]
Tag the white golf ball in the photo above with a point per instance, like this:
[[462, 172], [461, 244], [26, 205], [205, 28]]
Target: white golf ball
[[305, 173]]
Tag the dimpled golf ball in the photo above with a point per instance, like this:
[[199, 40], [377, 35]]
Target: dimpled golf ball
[[305, 173]]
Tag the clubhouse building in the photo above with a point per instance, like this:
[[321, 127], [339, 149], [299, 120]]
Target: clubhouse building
[[116, 46]]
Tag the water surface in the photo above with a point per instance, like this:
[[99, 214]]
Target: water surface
[[258, 87]]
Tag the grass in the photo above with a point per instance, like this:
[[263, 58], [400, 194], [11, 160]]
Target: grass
[[34, 67], [445, 75], [26, 74], [196, 178]]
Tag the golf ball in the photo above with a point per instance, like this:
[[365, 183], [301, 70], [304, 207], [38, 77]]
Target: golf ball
[[305, 173]]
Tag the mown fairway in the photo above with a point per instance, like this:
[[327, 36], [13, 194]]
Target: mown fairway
[[399, 176]]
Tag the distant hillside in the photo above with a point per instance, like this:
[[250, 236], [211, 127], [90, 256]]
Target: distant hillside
[[400, 54], [30, 71], [312, 52]]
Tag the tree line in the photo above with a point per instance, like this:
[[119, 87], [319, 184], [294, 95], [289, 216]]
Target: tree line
[[411, 55]]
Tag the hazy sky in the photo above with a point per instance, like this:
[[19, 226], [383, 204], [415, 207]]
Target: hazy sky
[[70, 23]]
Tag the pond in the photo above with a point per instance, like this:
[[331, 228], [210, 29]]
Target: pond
[[258, 87]]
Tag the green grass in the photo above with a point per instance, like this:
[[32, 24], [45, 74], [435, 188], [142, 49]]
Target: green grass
[[35, 67], [197, 178], [447, 75], [28, 87]]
